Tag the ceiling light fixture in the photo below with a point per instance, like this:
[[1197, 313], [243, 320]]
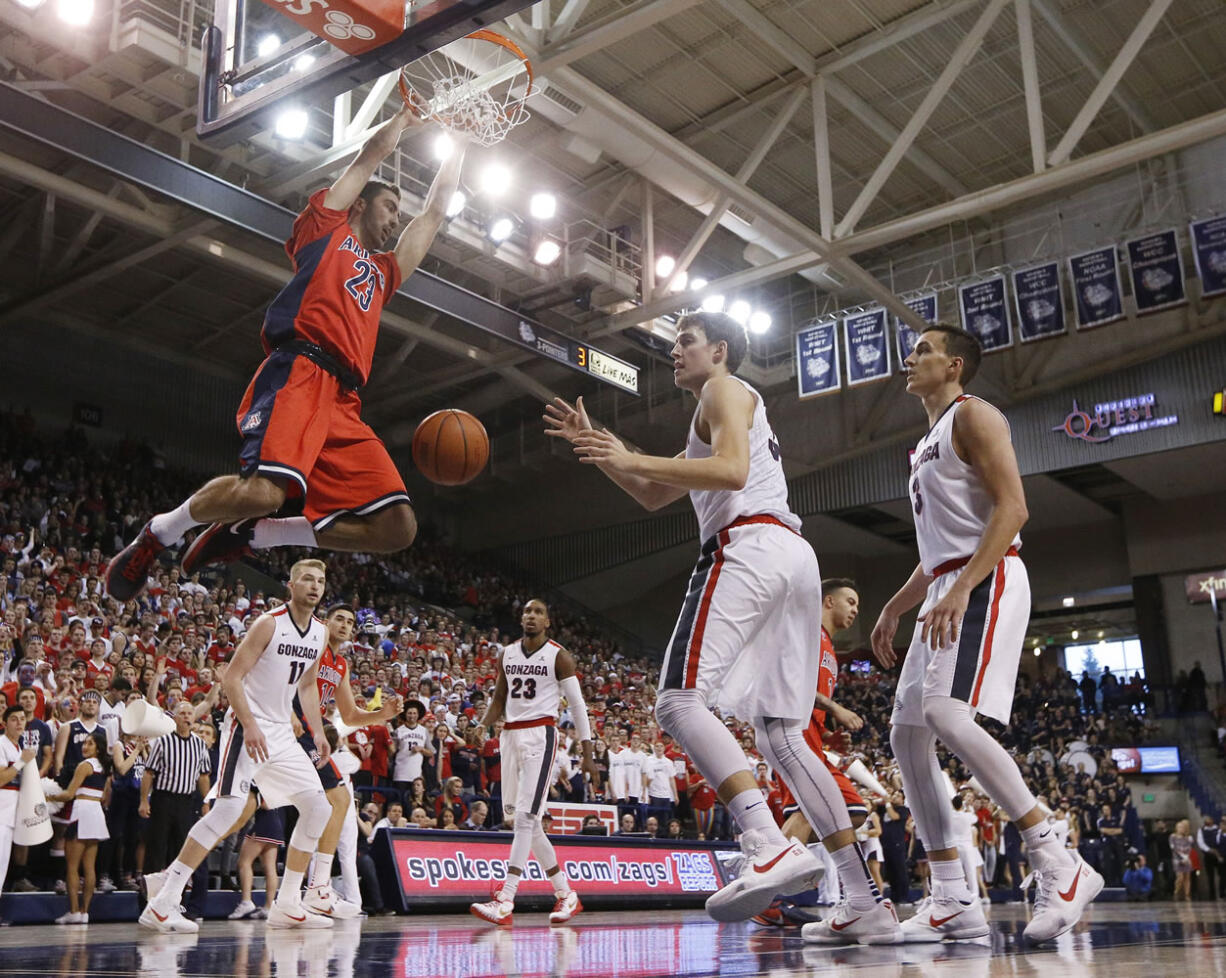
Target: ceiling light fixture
[[543, 206], [292, 124]]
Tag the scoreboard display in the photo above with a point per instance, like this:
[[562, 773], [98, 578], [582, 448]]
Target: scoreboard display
[[578, 356]]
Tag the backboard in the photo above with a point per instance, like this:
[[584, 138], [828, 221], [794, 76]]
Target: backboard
[[255, 57]]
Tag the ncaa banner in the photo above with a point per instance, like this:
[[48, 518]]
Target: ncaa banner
[[985, 313], [865, 347], [1096, 287], [924, 306], [1040, 303], [817, 359], [1209, 253], [1156, 268]]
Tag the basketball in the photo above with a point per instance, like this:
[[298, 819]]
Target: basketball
[[450, 447]]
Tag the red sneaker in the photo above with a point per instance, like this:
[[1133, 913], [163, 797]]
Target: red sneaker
[[128, 573], [219, 543], [565, 908]]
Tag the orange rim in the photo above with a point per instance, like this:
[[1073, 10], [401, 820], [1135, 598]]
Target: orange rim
[[421, 108]]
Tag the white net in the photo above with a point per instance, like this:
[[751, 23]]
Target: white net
[[476, 85]]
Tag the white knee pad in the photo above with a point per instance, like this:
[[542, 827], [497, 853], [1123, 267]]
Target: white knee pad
[[683, 715], [674, 705], [526, 823], [213, 827], [314, 810]]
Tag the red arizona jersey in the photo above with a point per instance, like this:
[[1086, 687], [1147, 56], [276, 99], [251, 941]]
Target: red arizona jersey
[[827, 676], [333, 670], [338, 290]]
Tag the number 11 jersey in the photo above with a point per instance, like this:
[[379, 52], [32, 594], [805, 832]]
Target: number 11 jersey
[[273, 680], [532, 682]]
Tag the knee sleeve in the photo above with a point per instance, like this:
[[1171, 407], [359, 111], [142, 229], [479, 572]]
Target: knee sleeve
[[213, 827], [915, 749], [683, 715], [953, 722], [783, 744], [545, 854], [525, 826], [314, 810]]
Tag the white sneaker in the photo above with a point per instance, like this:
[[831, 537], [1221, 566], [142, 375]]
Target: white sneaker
[[324, 900], [170, 921], [938, 918], [295, 916], [878, 925], [106, 885], [565, 908], [495, 910], [68, 918], [243, 911], [769, 869], [153, 885], [1061, 898]]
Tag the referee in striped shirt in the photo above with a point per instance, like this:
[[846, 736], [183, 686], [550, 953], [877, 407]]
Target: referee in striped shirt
[[176, 779]]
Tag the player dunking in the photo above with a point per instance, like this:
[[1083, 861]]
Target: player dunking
[[300, 421], [334, 689], [533, 674], [743, 641], [969, 506], [277, 659]]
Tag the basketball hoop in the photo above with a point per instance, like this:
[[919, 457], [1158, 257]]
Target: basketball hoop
[[473, 85]]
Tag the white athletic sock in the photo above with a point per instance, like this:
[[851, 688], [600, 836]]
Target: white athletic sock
[[289, 894], [1041, 841], [177, 875], [561, 885], [170, 527], [320, 873], [293, 531], [862, 892], [949, 879], [509, 886], [752, 813]]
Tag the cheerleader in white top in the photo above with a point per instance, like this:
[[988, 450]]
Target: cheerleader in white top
[[86, 824]]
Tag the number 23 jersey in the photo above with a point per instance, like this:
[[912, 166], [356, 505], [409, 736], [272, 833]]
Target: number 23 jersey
[[532, 682], [273, 680]]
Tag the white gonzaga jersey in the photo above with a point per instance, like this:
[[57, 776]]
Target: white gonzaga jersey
[[273, 680], [951, 504], [765, 492], [532, 682]]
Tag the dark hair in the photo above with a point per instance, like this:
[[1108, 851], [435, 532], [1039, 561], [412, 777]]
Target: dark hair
[[957, 802], [341, 606], [375, 187], [831, 584], [960, 343], [98, 736], [717, 326], [541, 601], [121, 685], [13, 711]]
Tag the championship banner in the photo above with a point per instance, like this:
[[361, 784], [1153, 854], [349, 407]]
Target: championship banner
[[426, 868], [817, 359], [1156, 268], [1040, 303], [1209, 253], [924, 306], [985, 313], [1096, 287], [865, 347]]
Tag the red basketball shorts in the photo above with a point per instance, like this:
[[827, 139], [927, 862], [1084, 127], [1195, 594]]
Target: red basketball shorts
[[851, 794], [300, 427]]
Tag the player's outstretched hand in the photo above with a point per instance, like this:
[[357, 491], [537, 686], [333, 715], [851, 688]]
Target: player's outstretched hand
[[847, 718], [562, 420], [883, 640], [943, 621], [603, 448]]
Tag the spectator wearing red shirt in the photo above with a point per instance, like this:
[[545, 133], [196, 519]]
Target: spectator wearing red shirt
[[702, 801], [370, 744]]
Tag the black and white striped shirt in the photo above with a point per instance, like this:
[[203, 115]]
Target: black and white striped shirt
[[177, 763]]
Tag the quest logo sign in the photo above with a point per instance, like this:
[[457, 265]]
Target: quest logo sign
[[1114, 418]]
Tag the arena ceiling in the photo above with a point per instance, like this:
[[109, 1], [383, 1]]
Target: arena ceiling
[[807, 155]]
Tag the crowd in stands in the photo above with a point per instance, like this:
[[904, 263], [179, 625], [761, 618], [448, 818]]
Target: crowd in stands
[[431, 625]]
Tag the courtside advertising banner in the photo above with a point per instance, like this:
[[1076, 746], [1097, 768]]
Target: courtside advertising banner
[[1209, 251], [433, 867], [1096, 287], [985, 312], [865, 347], [1040, 303], [924, 306], [817, 359], [1157, 271]]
